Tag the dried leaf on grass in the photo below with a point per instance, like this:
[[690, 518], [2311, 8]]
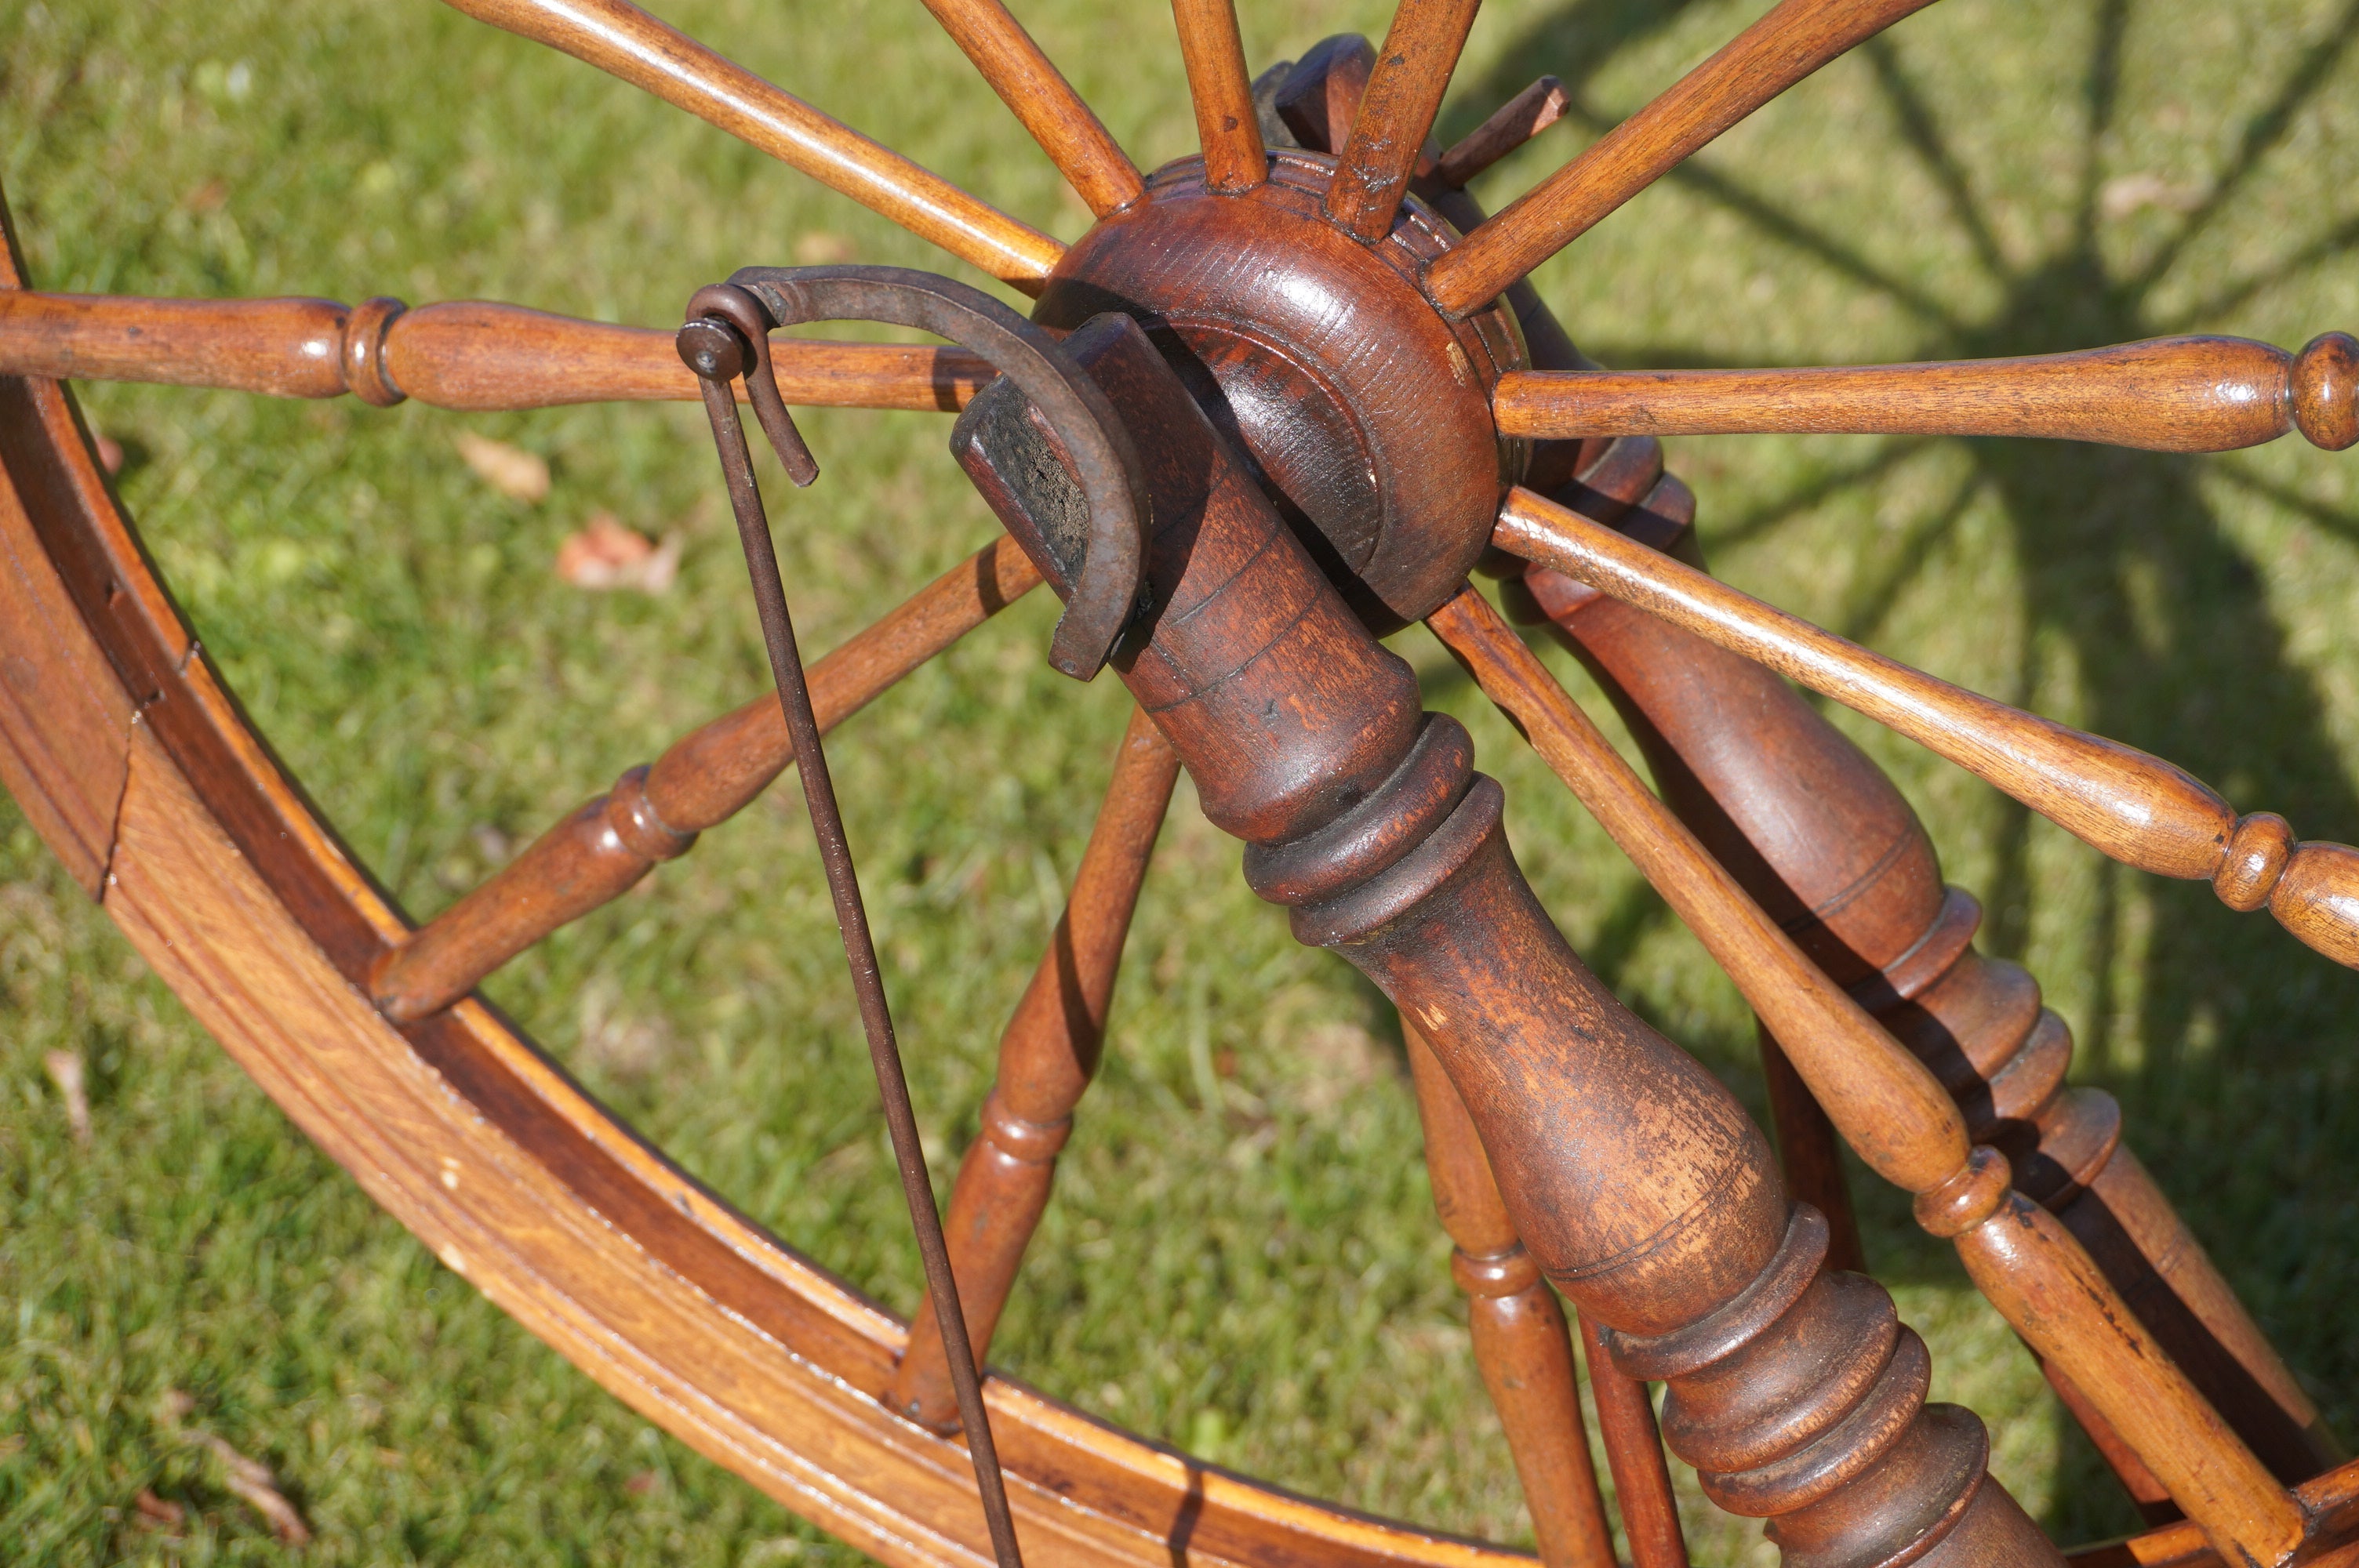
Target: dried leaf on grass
[[110, 453], [248, 1480], [65, 1071], [605, 554], [2127, 193], [819, 248], [155, 1513], [516, 474]]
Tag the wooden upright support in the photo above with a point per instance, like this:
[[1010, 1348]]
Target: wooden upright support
[[1521, 1345]]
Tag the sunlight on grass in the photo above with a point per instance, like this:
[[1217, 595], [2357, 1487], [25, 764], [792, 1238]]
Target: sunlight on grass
[[1242, 1254]]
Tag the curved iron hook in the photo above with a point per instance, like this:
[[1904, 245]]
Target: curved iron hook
[[1105, 591]]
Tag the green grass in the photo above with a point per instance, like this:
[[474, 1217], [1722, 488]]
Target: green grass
[[1246, 1264]]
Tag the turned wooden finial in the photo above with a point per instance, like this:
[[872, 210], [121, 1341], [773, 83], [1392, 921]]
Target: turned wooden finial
[[2324, 391]]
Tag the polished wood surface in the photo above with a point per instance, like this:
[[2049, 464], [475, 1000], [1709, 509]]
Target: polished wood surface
[[624, 41], [1634, 1453], [1048, 1055], [1521, 1345], [244, 901], [1793, 40], [1221, 91], [1395, 110], [1068, 129], [464, 353], [654, 814], [2164, 395], [1629, 1173], [1367, 412], [1893, 1110], [1814, 832], [1510, 126], [2134, 807]]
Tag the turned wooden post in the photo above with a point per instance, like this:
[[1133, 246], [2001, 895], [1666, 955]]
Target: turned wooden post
[[1630, 1174], [1047, 1056], [1818, 835], [1521, 1345]]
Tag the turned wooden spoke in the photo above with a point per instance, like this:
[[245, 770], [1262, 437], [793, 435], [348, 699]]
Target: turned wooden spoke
[[1897, 1115], [1773, 53], [463, 353], [1047, 1057], [1816, 834], [2134, 807], [624, 41], [1396, 111], [655, 813], [1084, 152], [1521, 1345], [1634, 1453], [1222, 90], [2166, 395], [1510, 125]]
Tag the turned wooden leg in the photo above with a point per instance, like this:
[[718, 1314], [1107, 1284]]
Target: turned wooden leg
[[1047, 1056], [1818, 835], [1520, 1342]]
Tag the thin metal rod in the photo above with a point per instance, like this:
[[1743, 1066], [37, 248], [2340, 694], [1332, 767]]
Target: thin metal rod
[[860, 954]]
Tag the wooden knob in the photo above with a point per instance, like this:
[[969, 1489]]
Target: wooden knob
[[363, 354], [2325, 390], [2255, 857]]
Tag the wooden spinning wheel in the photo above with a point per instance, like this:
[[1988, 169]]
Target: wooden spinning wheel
[[1347, 400]]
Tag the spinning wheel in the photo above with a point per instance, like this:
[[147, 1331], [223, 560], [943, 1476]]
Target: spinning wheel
[[1343, 400]]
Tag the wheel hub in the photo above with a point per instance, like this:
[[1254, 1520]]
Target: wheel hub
[[1365, 412]]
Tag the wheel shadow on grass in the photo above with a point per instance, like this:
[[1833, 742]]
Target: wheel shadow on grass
[[2229, 1044]]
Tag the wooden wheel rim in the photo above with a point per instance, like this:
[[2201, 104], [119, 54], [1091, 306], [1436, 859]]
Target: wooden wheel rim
[[143, 776]]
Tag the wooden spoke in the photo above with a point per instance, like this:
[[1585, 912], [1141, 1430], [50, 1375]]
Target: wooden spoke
[[1773, 53], [465, 353], [2134, 807], [2166, 395], [1100, 172], [655, 813], [1521, 1345], [1634, 1453], [1511, 125], [1893, 1111], [1047, 1057], [624, 41], [1818, 835], [1397, 109], [1221, 89]]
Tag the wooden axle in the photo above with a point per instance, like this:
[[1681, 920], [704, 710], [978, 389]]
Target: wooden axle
[[465, 353], [1798, 1394], [2166, 395], [2134, 807]]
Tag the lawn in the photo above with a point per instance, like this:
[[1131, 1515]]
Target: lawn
[[1241, 1256]]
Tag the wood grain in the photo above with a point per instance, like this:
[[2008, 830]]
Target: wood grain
[[1221, 91], [1076, 141], [1521, 1345], [2164, 394], [466, 353], [1896, 1114], [2134, 807], [1634, 1453], [1396, 111], [1048, 1055], [1510, 126], [1781, 48], [624, 41], [654, 814]]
